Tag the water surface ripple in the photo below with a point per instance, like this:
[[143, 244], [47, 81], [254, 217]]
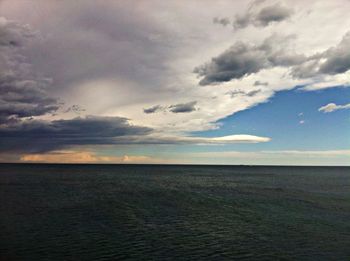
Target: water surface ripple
[[145, 212]]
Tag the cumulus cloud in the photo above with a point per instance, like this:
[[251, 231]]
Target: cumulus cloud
[[22, 92], [260, 15], [330, 107], [183, 107], [334, 60], [243, 59], [337, 58], [238, 61]]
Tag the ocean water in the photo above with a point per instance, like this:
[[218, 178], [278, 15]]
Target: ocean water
[[146, 212]]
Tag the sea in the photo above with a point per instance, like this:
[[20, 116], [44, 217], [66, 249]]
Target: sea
[[174, 212]]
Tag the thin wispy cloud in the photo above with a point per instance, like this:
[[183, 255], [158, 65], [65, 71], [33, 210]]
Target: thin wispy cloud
[[330, 107]]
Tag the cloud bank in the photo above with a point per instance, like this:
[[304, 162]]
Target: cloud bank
[[243, 59], [43, 136]]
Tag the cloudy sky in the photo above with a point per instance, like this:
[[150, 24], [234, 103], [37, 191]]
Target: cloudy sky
[[207, 82]]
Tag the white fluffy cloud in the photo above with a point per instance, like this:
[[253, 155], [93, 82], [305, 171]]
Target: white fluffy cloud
[[330, 107]]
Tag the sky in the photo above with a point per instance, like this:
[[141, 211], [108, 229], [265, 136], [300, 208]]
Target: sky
[[175, 82]]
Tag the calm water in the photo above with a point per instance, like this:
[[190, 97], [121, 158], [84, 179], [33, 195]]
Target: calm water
[[94, 212]]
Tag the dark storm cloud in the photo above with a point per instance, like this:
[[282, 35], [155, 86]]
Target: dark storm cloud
[[33, 136], [13, 34], [243, 59], [260, 16], [224, 21], [153, 109], [333, 61], [42, 136], [183, 107], [89, 40], [22, 92]]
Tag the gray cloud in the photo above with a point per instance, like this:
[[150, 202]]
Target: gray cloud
[[175, 108], [224, 21], [33, 136], [261, 16], [243, 59], [42, 136], [275, 13], [333, 61], [153, 109], [75, 108], [13, 34], [238, 61], [259, 83], [183, 107], [22, 92], [253, 93], [337, 58], [235, 93], [91, 40]]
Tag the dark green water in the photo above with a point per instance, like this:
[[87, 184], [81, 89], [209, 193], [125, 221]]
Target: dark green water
[[106, 212]]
